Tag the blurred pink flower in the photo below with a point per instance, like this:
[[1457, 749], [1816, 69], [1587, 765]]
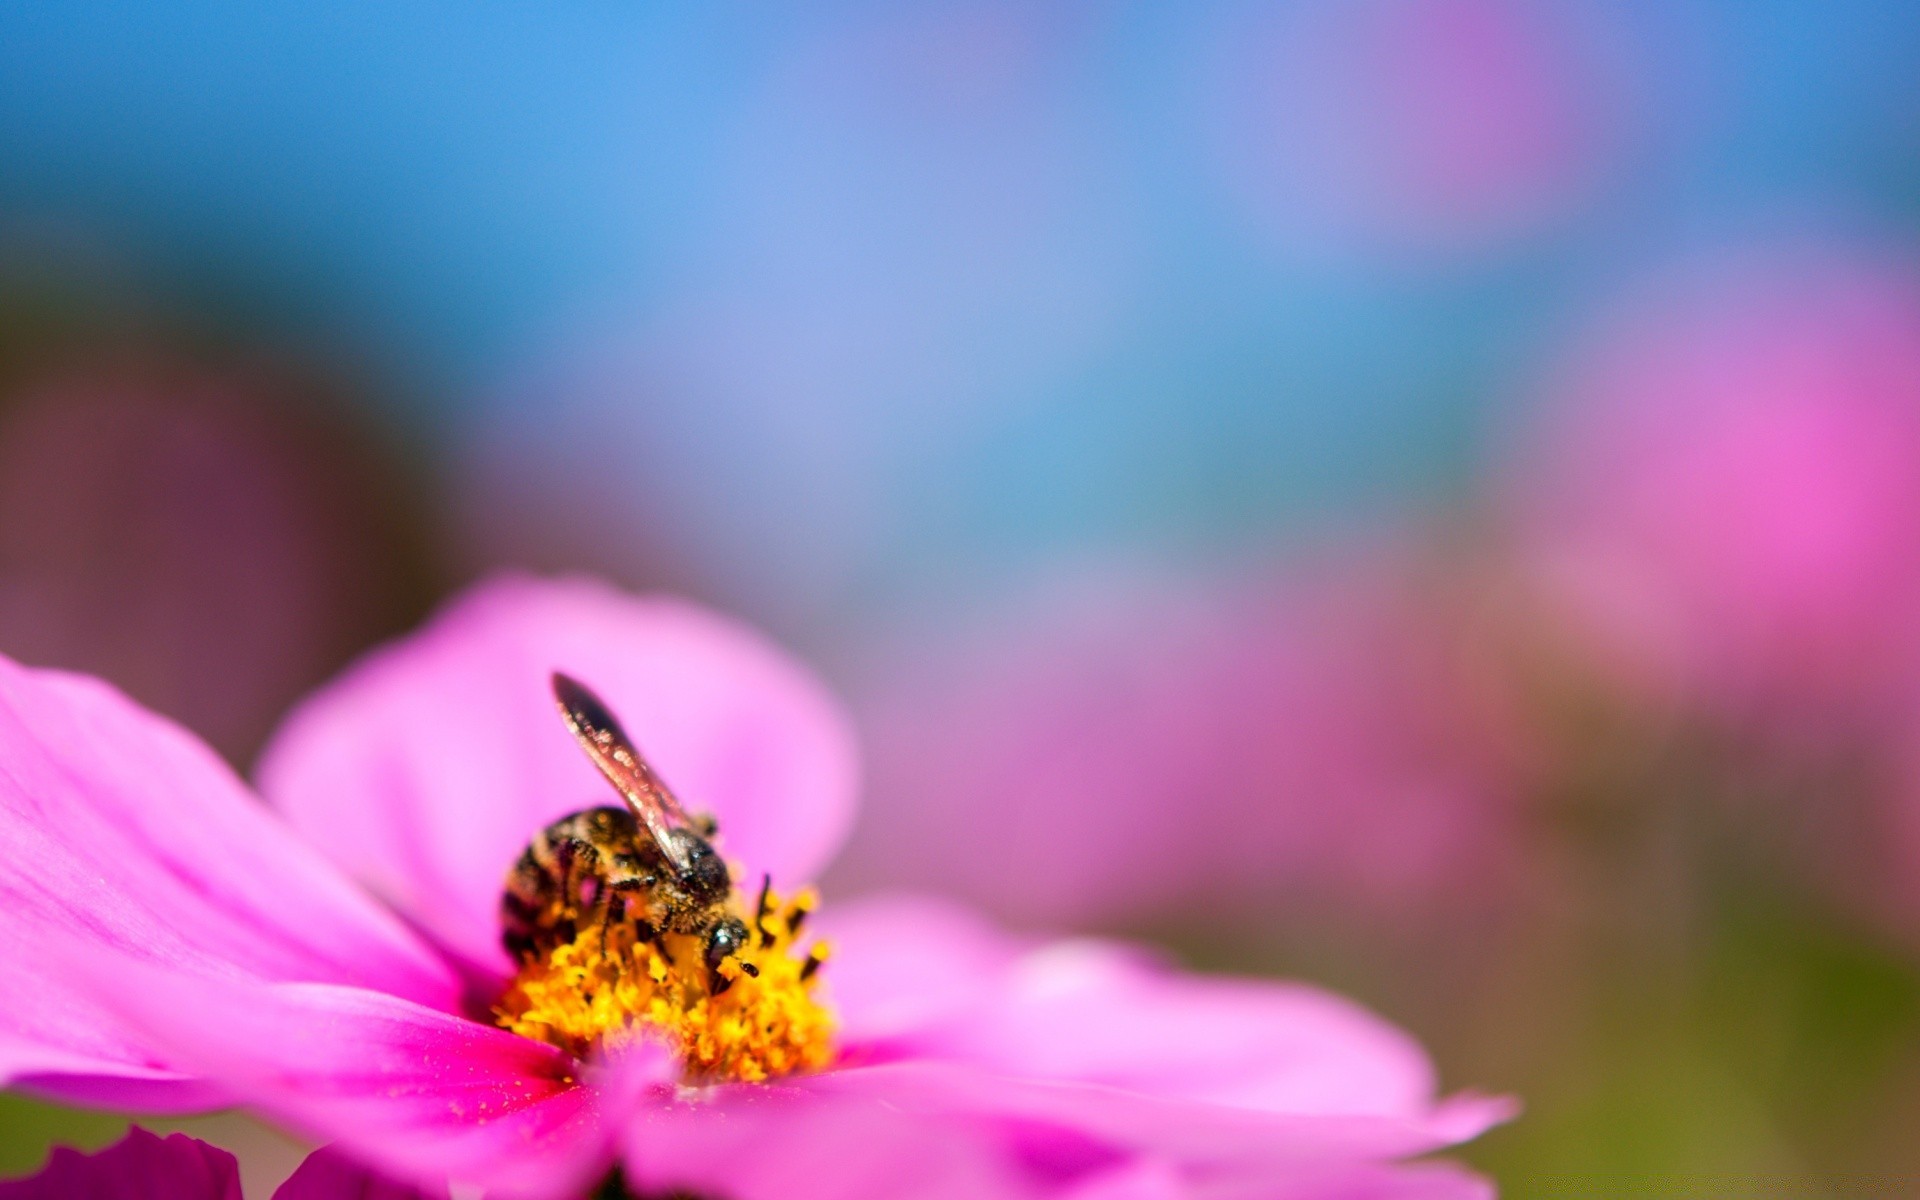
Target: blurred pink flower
[[210, 539], [1142, 742], [172, 945], [1726, 491], [142, 1166]]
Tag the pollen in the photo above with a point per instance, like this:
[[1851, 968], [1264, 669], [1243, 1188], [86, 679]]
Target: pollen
[[607, 987]]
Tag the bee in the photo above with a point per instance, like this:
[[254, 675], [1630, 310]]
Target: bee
[[647, 862]]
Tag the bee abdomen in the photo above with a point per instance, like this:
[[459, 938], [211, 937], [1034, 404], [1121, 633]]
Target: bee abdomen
[[560, 878]]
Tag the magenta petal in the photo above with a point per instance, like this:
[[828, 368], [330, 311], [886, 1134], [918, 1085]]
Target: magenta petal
[[1422, 1181], [1134, 1179], [429, 766], [750, 1143], [139, 1166], [905, 965], [328, 1174], [1190, 1131], [1157, 1179], [124, 834], [1103, 1040], [419, 1094]]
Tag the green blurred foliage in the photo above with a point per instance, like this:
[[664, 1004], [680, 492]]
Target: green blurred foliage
[[29, 1128], [1779, 1056]]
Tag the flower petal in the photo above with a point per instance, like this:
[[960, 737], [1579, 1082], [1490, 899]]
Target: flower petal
[[328, 1174], [428, 767], [1157, 1179], [778, 1144], [419, 1094], [905, 964], [139, 1166], [1102, 1039], [125, 834], [1189, 1131]]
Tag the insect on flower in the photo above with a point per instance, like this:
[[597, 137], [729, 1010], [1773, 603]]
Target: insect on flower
[[648, 863], [620, 917], [323, 966]]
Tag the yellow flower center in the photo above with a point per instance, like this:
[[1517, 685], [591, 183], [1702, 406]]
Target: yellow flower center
[[606, 987]]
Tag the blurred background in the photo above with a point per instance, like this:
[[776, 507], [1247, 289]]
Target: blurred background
[[1419, 495]]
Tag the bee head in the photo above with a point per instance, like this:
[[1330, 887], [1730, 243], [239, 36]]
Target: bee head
[[725, 938]]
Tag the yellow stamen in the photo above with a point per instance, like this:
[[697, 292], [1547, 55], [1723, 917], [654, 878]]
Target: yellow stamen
[[606, 987]]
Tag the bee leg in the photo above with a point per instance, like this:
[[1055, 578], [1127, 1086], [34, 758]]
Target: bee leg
[[583, 890], [616, 901], [579, 864], [616, 906]]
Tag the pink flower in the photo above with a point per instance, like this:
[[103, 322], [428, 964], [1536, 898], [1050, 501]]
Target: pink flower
[[141, 1166], [204, 535], [173, 945], [1167, 742], [1724, 494], [1719, 520]]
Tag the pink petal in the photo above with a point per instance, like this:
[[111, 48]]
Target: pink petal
[[1135, 1179], [750, 1143], [124, 834], [419, 1094], [1152, 1179], [1098, 1038], [428, 767], [329, 1174], [1195, 1132], [903, 965], [139, 1166], [1421, 1181]]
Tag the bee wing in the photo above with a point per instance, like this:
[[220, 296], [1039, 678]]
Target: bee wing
[[613, 752]]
